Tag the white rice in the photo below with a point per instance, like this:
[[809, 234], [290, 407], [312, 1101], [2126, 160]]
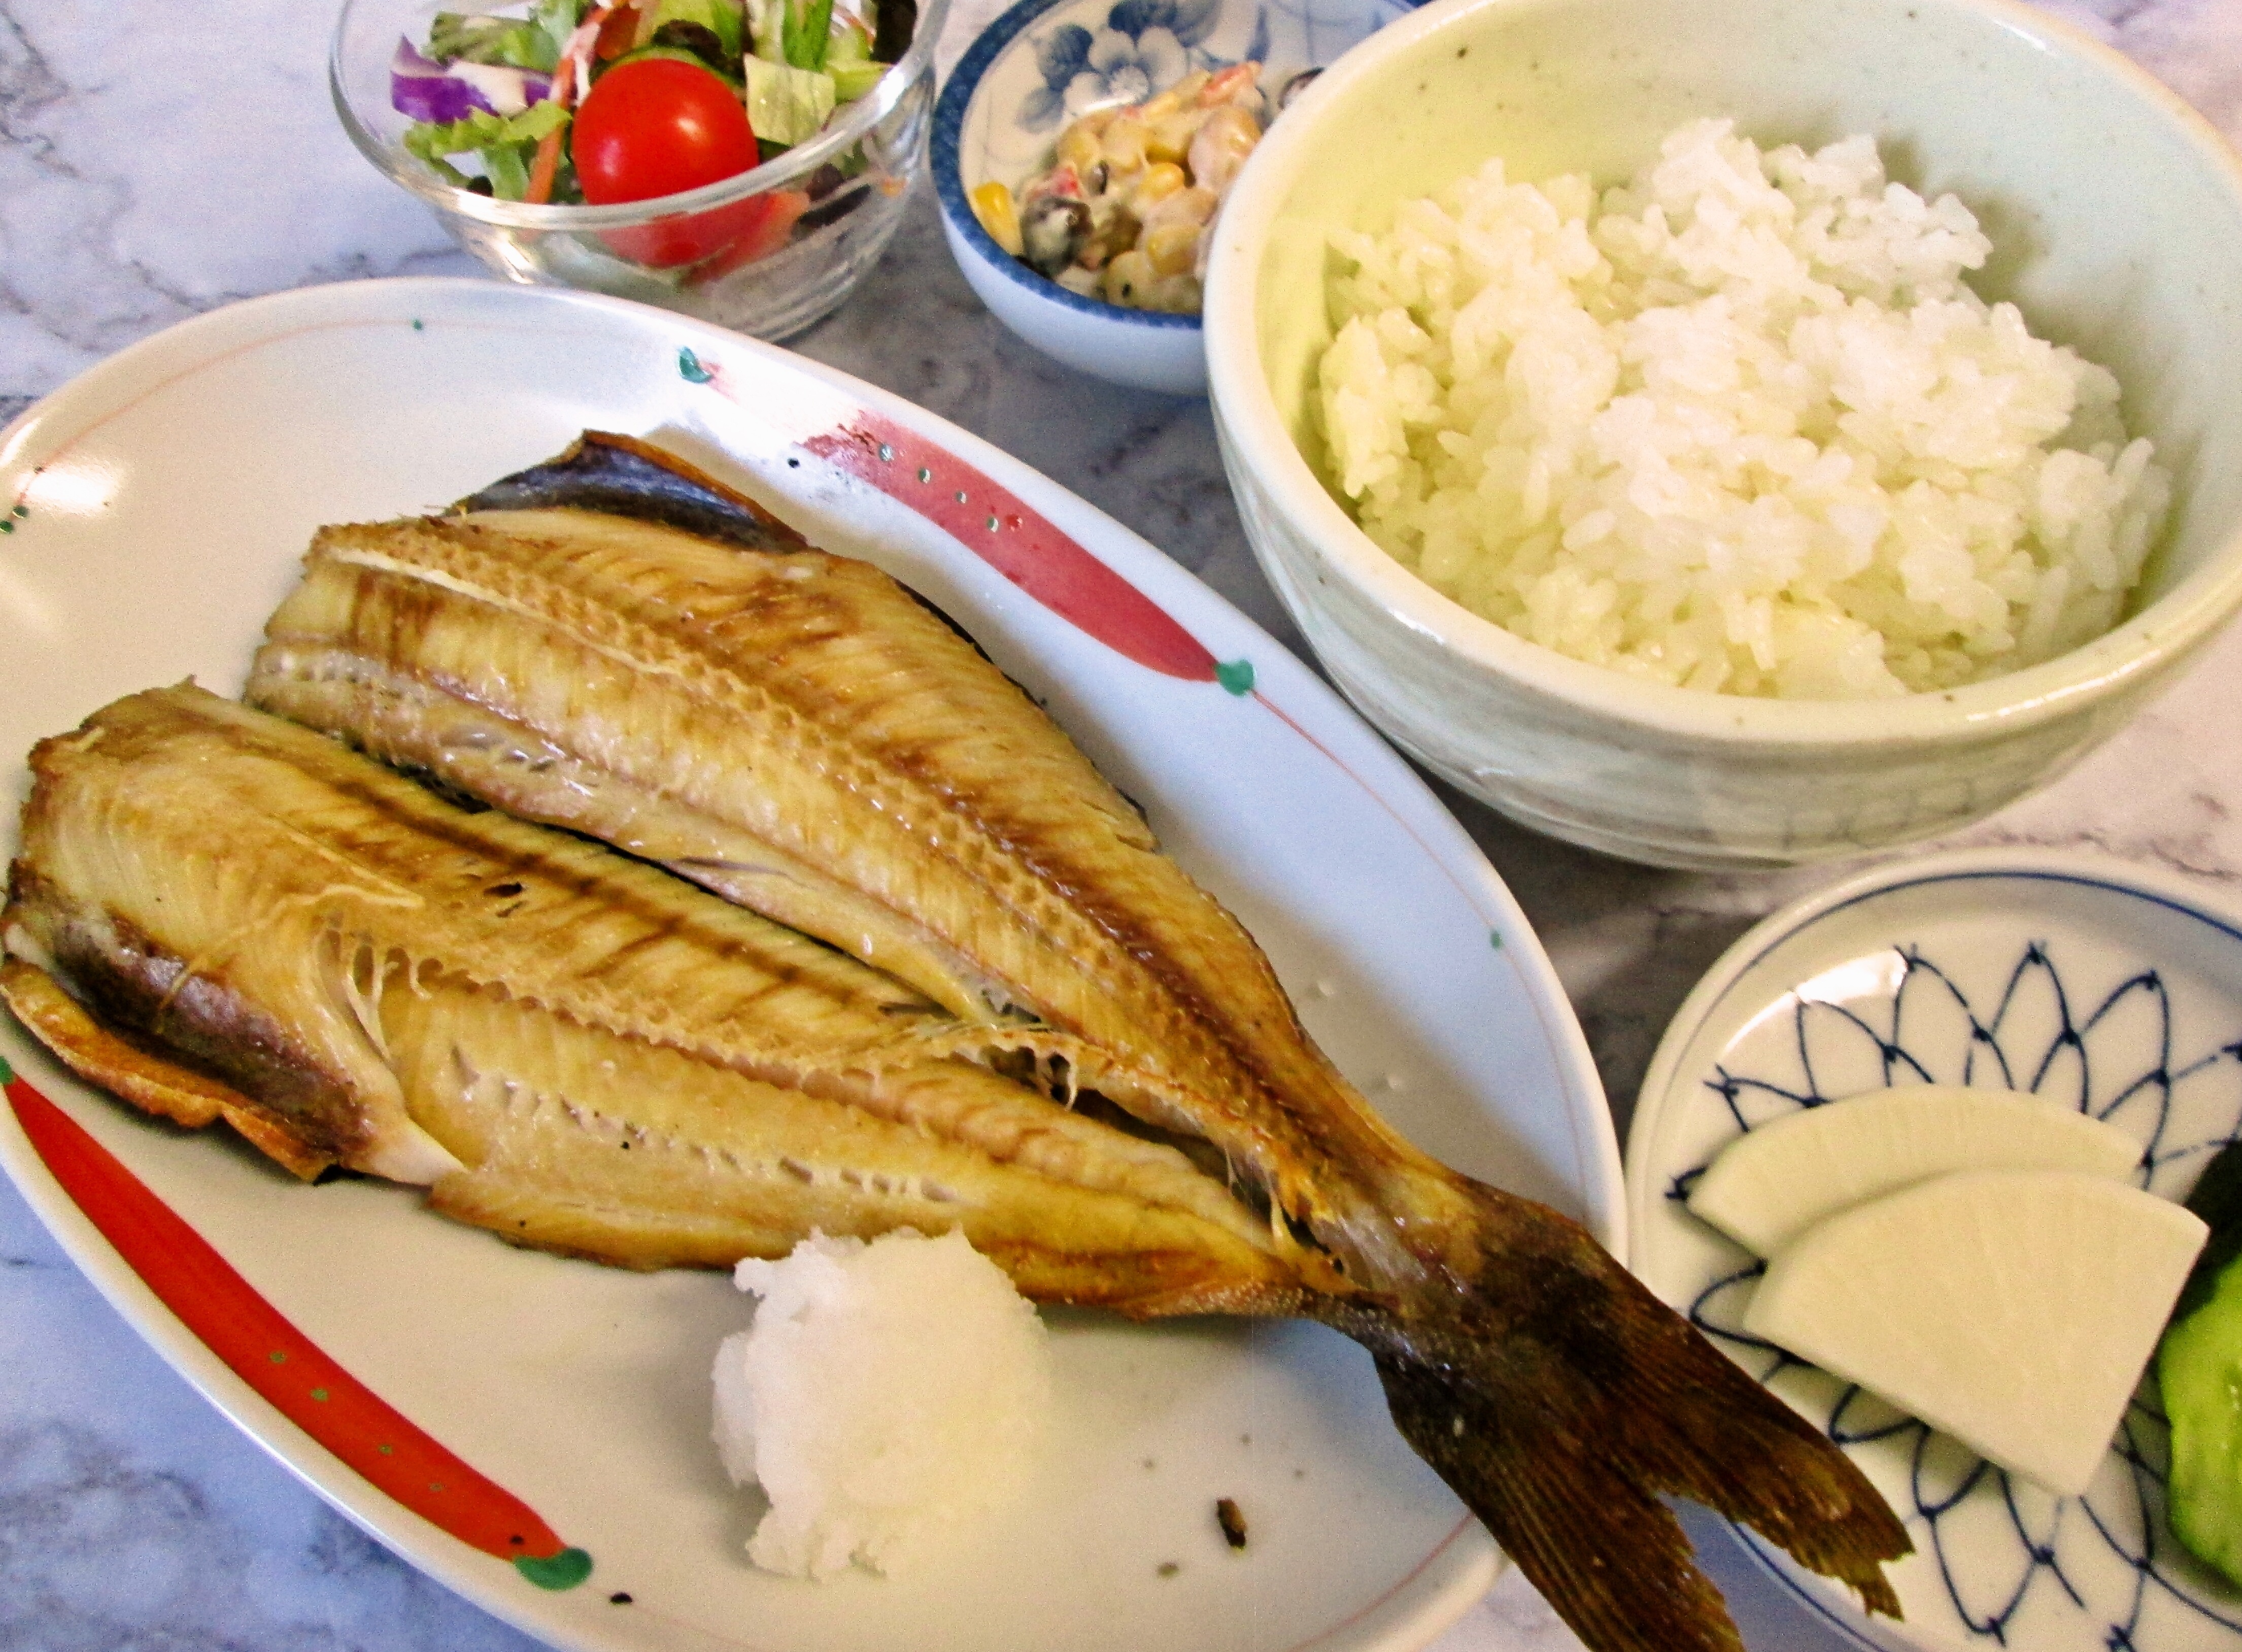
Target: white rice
[[884, 1392], [1738, 426]]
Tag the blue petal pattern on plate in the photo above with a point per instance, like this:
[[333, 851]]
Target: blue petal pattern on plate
[[2119, 998]]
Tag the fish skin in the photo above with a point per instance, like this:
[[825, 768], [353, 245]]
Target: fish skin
[[787, 696], [152, 1079], [623, 476]]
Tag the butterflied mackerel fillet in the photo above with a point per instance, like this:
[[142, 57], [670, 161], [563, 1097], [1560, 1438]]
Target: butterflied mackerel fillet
[[574, 1049], [799, 734]]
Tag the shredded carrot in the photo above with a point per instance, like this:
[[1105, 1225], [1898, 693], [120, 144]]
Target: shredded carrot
[[544, 168], [616, 39], [565, 74]]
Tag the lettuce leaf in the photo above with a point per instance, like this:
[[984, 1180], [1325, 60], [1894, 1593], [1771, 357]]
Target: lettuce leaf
[[852, 80], [807, 29], [508, 168], [786, 105], [557, 20], [483, 130], [504, 142], [512, 41]]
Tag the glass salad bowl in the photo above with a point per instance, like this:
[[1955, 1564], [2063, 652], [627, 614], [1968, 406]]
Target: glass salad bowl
[[767, 251]]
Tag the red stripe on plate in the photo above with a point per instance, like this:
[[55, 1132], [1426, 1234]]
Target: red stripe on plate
[[1012, 537], [258, 1344]]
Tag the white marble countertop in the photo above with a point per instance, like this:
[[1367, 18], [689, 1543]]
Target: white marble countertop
[[160, 160]]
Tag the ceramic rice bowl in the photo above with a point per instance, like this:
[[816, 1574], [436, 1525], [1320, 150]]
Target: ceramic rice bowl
[[2116, 216]]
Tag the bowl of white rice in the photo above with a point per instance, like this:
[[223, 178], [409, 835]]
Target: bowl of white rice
[[1738, 433]]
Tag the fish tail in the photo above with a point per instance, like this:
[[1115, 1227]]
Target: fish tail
[[1561, 1400]]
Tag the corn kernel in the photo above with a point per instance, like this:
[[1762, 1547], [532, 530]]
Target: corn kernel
[[1172, 248], [1079, 147], [1193, 207], [1170, 139], [999, 215], [1123, 143], [1129, 280], [1153, 110], [1158, 182]]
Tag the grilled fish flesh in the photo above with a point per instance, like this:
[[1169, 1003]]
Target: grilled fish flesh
[[357, 971], [1030, 1022]]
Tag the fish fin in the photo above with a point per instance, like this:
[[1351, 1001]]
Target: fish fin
[[1561, 1400]]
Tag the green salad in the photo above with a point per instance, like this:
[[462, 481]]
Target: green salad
[[577, 101]]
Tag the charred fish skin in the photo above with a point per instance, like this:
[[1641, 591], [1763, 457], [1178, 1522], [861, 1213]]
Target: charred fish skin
[[809, 708], [619, 475], [567, 1046]]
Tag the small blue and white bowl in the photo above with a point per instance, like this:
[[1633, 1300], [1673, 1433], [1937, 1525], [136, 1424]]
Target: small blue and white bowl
[[1045, 62]]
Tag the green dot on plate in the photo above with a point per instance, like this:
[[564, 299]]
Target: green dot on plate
[[1236, 676], [562, 1571], [278, 1356], [689, 366], [320, 1394], [1495, 936]]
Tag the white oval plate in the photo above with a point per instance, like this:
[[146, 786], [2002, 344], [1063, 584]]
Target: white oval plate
[[165, 498], [2114, 988]]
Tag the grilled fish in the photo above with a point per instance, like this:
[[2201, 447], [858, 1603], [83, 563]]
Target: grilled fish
[[618, 646], [563, 1043]]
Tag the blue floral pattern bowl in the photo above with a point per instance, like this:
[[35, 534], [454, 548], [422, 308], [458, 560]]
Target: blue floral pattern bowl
[[1046, 62], [1138, 50], [2097, 985]]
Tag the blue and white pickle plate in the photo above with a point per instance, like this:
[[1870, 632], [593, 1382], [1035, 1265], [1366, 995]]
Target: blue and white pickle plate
[[2102, 986]]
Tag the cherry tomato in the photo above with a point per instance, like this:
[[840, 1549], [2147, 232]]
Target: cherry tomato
[[654, 127], [770, 228]]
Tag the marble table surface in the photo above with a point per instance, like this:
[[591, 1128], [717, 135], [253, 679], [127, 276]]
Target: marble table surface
[[158, 160]]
